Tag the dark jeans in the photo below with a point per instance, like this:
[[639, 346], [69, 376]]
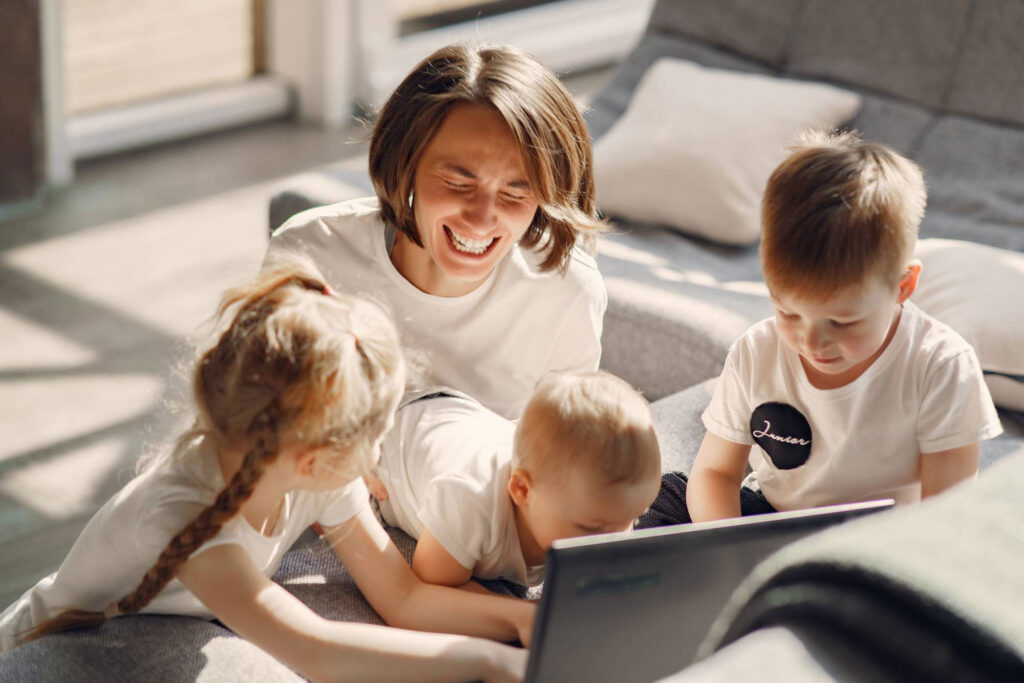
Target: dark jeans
[[670, 505]]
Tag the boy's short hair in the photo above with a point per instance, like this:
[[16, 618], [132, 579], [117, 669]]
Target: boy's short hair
[[542, 115], [591, 420], [837, 211]]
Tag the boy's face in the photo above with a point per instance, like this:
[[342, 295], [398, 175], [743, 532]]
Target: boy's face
[[840, 336], [582, 504]]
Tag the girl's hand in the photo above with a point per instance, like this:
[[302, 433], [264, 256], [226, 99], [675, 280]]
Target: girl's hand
[[505, 664], [402, 599]]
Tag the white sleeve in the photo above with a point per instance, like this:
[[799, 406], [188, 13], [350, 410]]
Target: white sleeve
[[288, 238], [577, 344], [956, 409], [345, 503], [457, 514], [728, 413]]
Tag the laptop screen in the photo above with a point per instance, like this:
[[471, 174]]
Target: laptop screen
[[635, 606]]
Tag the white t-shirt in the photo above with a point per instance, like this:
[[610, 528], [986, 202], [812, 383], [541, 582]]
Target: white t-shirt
[[496, 343], [925, 393], [446, 465], [124, 538]]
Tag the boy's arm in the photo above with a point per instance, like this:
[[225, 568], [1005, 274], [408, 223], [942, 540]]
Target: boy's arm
[[225, 580], [943, 469], [432, 563], [713, 491]]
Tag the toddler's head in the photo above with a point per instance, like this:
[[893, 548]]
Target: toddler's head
[[586, 459], [839, 223]]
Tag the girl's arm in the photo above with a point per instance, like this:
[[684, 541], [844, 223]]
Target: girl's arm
[[402, 599], [943, 469], [256, 608], [713, 490]]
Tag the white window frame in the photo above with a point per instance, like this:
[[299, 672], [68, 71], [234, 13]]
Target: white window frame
[[341, 53], [325, 58]]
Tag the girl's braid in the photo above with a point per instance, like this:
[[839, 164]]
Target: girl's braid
[[263, 431]]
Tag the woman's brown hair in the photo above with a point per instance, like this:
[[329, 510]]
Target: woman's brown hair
[[297, 365], [543, 118]]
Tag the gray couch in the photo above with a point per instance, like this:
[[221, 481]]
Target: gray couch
[[942, 80]]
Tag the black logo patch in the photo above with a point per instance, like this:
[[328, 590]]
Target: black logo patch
[[783, 432]]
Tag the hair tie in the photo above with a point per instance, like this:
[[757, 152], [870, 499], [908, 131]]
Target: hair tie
[[111, 611]]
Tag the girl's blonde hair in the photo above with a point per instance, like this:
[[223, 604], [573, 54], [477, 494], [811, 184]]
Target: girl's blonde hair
[[542, 115], [297, 366]]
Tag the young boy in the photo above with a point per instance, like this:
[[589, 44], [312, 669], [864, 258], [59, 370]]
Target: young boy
[[486, 498], [850, 392]]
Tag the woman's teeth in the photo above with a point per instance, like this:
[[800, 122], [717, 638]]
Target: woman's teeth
[[467, 245]]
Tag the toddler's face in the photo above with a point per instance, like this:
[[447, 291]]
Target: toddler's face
[[581, 504], [839, 337]]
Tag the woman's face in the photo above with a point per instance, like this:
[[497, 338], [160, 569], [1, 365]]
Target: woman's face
[[472, 203]]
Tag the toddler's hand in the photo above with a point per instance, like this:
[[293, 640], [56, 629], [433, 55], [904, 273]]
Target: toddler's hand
[[524, 622]]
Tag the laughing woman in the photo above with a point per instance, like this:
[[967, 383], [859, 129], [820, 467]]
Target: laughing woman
[[481, 165]]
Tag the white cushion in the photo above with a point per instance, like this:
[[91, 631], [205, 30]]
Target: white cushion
[[977, 290], [696, 146]]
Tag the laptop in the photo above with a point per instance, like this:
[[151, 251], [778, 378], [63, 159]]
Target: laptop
[[635, 606]]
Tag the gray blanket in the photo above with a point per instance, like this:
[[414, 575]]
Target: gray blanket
[[931, 592]]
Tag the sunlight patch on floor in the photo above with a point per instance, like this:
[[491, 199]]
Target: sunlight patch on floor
[[67, 485], [166, 268], [43, 413], [25, 345]]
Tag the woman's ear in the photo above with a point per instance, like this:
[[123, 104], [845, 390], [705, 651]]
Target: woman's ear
[[519, 484], [908, 283]]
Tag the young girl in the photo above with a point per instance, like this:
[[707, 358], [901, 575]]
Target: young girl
[[292, 402]]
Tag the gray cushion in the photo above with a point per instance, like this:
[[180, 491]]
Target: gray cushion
[[144, 648], [892, 122], [325, 185], [679, 428], [903, 48], [753, 28], [975, 176], [989, 78], [674, 306], [614, 98]]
